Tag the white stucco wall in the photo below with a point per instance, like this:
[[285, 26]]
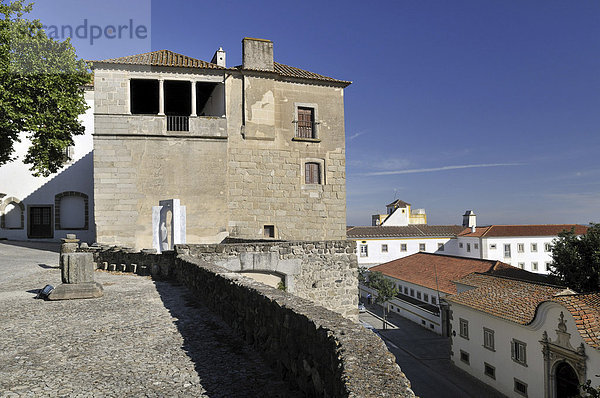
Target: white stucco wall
[[377, 256], [504, 332], [16, 181], [525, 258]]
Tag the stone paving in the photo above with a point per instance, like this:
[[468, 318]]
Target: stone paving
[[142, 338]]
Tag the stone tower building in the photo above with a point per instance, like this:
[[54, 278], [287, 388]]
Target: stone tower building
[[252, 151]]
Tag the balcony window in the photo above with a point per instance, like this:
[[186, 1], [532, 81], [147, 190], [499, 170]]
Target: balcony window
[[305, 125]]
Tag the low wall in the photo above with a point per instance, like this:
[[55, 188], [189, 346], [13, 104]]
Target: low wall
[[325, 272], [315, 349]]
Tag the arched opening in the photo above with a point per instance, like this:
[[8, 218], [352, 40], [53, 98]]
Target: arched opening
[[273, 279], [72, 212], [12, 217], [567, 382]]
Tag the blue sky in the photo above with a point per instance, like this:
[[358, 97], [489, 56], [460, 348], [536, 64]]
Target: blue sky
[[492, 106]]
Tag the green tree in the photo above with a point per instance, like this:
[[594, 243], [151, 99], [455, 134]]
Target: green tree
[[41, 92], [576, 259], [386, 290]]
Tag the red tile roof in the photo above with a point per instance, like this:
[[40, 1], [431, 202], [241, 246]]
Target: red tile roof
[[436, 271], [170, 58], [162, 58], [442, 231], [523, 230], [506, 298], [585, 308], [517, 301]]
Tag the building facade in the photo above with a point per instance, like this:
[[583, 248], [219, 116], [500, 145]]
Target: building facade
[[253, 151], [425, 280], [525, 339], [399, 213], [48, 208]]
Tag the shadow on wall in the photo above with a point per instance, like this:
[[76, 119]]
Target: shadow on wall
[[40, 206], [226, 365]]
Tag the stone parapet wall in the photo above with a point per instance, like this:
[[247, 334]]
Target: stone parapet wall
[[325, 272], [314, 349]]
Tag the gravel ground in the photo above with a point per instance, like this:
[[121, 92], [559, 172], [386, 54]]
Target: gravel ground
[[143, 338]]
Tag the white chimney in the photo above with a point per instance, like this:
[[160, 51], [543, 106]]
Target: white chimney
[[470, 220], [219, 57]]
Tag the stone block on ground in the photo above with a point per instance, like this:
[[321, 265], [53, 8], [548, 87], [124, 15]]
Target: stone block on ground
[[77, 267], [70, 291]]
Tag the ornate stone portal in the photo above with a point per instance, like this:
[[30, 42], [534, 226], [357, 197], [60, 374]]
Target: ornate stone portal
[[560, 359]]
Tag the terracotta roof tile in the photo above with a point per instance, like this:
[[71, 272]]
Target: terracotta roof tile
[[585, 308], [406, 231], [524, 230], [162, 58], [436, 271], [510, 299], [291, 71]]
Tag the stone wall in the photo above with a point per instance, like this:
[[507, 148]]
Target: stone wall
[[325, 272], [316, 350]]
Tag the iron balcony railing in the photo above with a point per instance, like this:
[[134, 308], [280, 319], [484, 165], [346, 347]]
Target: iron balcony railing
[[178, 123]]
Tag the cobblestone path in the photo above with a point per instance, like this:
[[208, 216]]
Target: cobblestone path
[[142, 339]]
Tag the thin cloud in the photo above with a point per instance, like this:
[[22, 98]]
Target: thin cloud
[[353, 136], [443, 168]]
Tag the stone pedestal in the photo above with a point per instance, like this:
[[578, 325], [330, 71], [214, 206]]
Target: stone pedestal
[[77, 271]]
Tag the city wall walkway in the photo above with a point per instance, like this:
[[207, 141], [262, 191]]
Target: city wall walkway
[[143, 338]]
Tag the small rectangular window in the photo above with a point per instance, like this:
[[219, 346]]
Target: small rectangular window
[[519, 352], [534, 247], [522, 265], [422, 247], [405, 290], [464, 356], [548, 264], [425, 297], [493, 246], [419, 295], [476, 246], [521, 247], [312, 173], [269, 231], [412, 292], [440, 247], [534, 266], [520, 387], [305, 123], [468, 247], [460, 245], [489, 370], [364, 251], [433, 300], [547, 247], [488, 339], [507, 250], [384, 248], [464, 328], [402, 247]]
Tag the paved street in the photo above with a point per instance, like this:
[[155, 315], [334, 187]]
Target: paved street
[[143, 338], [425, 359]]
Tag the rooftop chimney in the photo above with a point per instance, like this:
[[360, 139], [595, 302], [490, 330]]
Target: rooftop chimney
[[219, 57], [257, 54], [469, 220]]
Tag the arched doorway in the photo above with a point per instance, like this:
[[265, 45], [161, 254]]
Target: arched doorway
[[567, 382]]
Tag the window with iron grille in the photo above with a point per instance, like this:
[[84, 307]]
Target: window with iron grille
[[489, 370], [520, 387], [312, 173], [305, 125], [364, 251]]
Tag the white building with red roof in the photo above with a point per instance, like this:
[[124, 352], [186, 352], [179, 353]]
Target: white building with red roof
[[424, 280], [525, 339]]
